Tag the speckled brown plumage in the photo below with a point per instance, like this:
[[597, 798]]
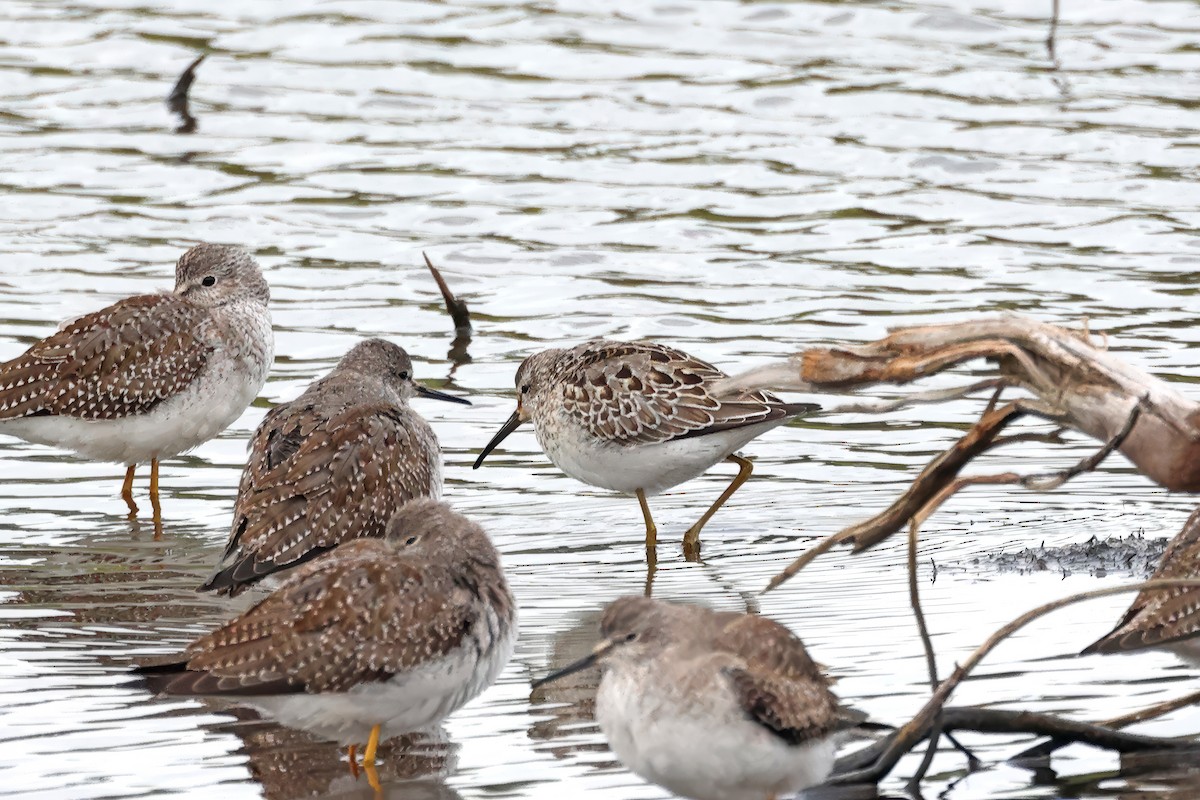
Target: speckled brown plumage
[[639, 418], [127, 358], [763, 665], [331, 466], [113, 363], [643, 392], [710, 705], [1162, 616], [361, 613]]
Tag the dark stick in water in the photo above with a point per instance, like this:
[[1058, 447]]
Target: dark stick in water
[[177, 100], [458, 313]]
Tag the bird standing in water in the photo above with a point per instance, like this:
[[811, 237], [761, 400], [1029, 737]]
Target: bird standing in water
[[711, 705], [150, 376], [332, 465], [639, 418]]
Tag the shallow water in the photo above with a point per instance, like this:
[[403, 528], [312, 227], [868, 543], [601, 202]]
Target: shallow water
[[737, 179]]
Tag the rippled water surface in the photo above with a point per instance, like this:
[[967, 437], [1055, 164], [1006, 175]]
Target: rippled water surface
[[738, 179]]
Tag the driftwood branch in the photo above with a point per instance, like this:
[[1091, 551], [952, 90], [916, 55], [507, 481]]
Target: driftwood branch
[[939, 481], [992, 720], [1075, 382], [1045, 749], [886, 754]]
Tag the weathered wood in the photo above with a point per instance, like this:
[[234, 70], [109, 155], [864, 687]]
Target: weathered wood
[[1081, 385]]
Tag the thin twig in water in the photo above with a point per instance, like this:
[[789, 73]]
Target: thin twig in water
[[914, 598], [936, 396], [938, 482]]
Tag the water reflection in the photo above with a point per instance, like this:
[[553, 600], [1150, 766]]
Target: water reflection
[[739, 180], [290, 764]]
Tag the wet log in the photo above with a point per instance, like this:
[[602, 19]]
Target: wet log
[[1075, 382]]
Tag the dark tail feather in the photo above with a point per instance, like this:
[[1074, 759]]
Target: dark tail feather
[[799, 409]]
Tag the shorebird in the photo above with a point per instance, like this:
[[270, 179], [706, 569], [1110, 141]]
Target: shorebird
[[377, 637], [332, 465], [150, 376], [1166, 618], [711, 705], [638, 418]]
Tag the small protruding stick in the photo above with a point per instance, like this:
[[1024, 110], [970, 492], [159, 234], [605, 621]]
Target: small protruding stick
[[177, 100], [457, 308], [458, 313], [916, 729], [1051, 41]]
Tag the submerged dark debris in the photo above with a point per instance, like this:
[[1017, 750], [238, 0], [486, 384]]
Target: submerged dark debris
[[1133, 555]]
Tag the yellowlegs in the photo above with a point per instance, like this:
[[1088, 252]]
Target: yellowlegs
[[332, 465], [374, 638], [711, 705], [150, 376]]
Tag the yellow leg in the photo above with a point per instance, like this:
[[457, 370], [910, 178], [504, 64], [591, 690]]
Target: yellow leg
[[372, 746], [691, 539], [127, 491], [154, 501], [352, 759], [651, 530]]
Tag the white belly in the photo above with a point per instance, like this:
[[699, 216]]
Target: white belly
[[653, 468], [713, 756]]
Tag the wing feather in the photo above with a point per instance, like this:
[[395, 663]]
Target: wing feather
[[1162, 616], [313, 483], [358, 614], [642, 392], [117, 362]]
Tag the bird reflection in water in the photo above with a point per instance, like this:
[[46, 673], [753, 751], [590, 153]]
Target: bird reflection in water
[[290, 763]]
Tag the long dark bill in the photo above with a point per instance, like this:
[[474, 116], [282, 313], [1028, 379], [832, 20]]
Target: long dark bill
[[578, 666], [434, 394], [508, 427]]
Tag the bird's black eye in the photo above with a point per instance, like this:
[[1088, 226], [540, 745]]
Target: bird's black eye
[[209, 280], [410, 541], [404, 375], [629, 637], [525, 389]]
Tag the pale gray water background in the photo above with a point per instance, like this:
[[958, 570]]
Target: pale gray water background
[[737, 179]]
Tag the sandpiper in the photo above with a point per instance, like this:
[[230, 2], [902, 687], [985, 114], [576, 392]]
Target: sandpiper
[[374, 638], [711, 705], [1167, 618], [332, 465], [150, 376], [638, 418]]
